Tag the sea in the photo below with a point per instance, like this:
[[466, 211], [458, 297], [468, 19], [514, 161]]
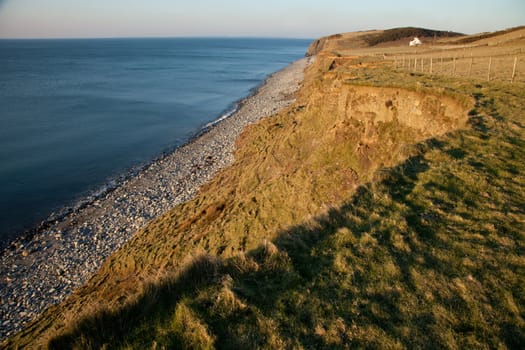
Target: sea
[[77, 114]]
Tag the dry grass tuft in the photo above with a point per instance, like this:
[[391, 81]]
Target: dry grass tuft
[[199, 269], [190, 330]]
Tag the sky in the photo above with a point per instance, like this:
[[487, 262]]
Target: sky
[[248, 18]]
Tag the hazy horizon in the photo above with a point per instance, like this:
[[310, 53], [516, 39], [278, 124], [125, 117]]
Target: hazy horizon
[[39, 19]]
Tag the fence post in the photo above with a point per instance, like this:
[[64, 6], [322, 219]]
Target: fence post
[[470, 67], [514, 69], [454, 66], [488, 73], [431, 63]]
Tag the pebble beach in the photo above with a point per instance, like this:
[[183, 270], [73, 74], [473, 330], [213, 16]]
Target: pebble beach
[[42, 270]]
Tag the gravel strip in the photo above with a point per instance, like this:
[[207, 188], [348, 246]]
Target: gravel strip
[[45, 269]]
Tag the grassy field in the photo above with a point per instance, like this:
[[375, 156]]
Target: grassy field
[[384, 209], [496, 56]]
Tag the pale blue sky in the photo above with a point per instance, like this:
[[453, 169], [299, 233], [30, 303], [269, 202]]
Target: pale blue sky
[[269, 18]]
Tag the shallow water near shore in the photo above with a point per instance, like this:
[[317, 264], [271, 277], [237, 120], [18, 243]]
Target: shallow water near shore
[[76, 114]]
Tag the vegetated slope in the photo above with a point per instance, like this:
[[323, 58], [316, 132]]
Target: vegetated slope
[[351, 219], [359, 40], [346, 40], [473, 38], [396, 34]]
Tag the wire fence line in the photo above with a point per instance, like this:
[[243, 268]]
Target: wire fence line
[[490, 68]]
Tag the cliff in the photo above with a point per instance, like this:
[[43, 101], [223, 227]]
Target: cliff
[[382, 209]]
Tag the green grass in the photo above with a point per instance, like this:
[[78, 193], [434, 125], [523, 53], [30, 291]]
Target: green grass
[[428, 254]]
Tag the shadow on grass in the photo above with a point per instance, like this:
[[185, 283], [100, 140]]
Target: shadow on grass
[[155, 304], [381, 271]]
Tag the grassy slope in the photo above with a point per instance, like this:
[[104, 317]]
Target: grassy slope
[[396, 34], [476, 37], [400, 240]]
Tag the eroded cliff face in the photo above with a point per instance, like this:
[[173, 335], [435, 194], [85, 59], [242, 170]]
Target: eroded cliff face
[[289, 168], [315, 47], [428, 115], [321, 44]]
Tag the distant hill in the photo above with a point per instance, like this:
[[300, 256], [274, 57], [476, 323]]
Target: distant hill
[[397, 34], [373, 38]]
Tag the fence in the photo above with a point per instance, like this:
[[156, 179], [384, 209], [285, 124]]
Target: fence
[[501, 68]]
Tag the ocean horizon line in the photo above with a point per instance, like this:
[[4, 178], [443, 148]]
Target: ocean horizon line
[[218, 37]]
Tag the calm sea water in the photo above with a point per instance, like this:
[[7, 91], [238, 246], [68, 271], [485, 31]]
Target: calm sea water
[[75, 114]]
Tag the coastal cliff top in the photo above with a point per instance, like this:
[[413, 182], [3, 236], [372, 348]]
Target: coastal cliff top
[[371, 38], [397, 38]]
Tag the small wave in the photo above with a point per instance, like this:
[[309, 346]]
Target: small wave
[[223, 116]]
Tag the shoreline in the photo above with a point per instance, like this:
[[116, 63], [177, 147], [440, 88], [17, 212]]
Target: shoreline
[[45, 266], [114, 182]]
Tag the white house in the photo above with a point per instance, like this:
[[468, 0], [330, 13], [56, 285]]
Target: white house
[[415, 42]]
